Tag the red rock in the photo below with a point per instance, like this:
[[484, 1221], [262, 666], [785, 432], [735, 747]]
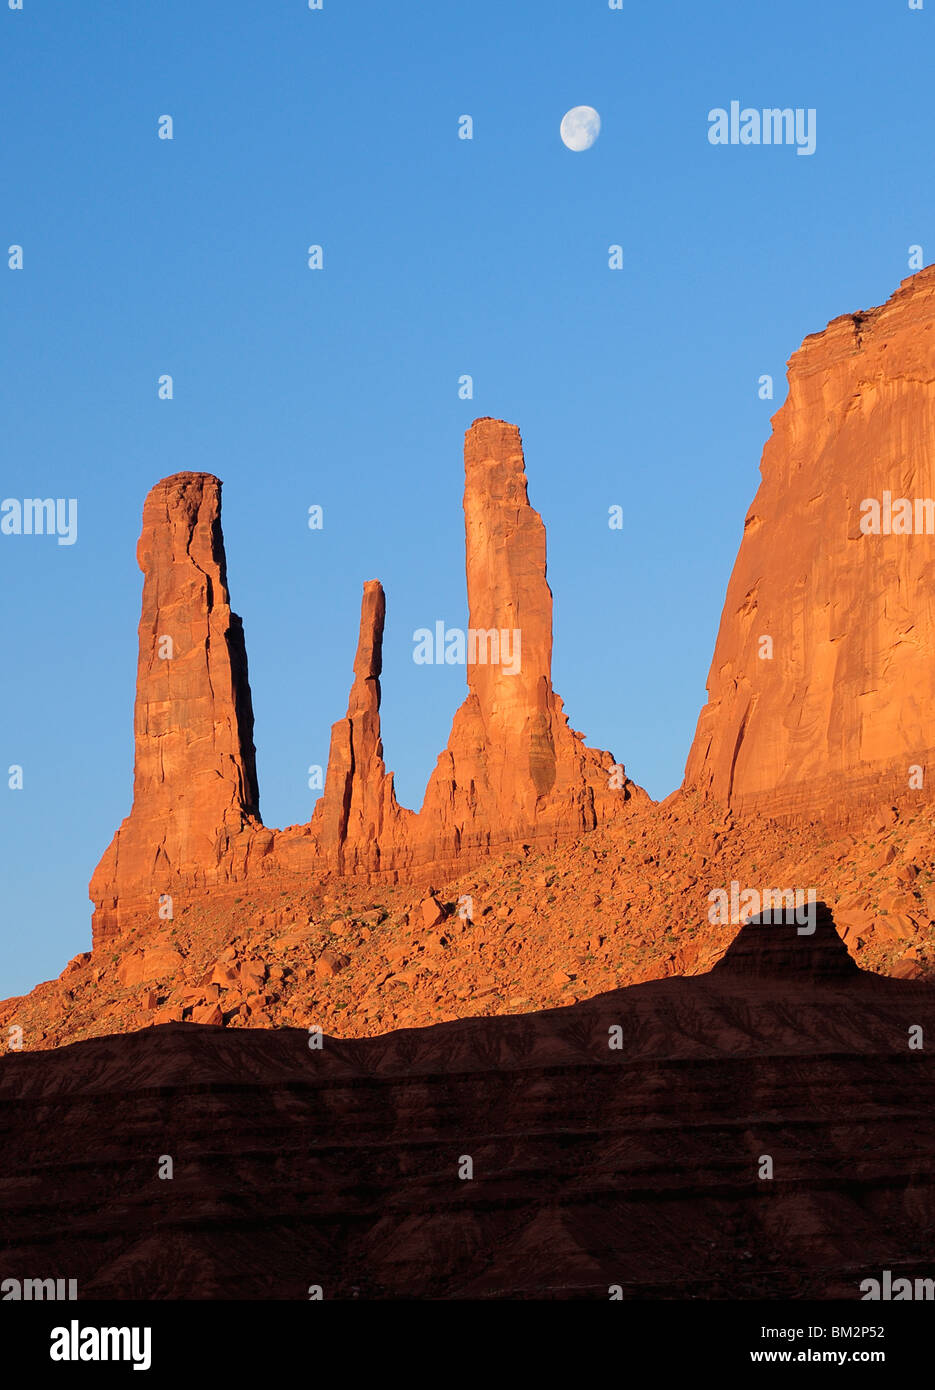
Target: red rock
[[432, 912], [907, 969], [252, 975], [76, 963], [890, 930], [514, 769], [169, 1013], [195, 788], [357, 817], [207, 1013], [156, 963], [292, 939], [853, 923], [846, 704], [329, 963]]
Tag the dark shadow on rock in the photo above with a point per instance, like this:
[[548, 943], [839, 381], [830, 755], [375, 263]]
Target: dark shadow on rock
[[790, 944], [615, 1142]]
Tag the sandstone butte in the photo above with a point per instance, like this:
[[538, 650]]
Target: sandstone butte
[[513, 771], [803, 770]]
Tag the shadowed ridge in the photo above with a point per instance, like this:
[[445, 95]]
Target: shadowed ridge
[[788, 946], [635, 1164]]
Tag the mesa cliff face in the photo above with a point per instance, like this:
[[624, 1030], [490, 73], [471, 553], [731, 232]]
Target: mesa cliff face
[[837, 709], [513, 769]]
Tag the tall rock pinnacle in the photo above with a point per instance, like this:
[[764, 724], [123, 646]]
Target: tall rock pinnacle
[[821, 691], [508, 592], [513, 767], [195, 786], [358, 814]]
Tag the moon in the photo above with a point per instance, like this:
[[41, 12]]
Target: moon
[[580, 127]]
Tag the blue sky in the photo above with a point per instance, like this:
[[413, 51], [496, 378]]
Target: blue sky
[[442, 257]]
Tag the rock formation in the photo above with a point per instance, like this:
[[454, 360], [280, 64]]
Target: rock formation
[[357, 817], [195, 789], [821, 693], [513, 770], [777, 946], [626, 903]]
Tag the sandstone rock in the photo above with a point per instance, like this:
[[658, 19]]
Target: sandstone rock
[[252, 975], [357, 818], [329, 963], [291, 941], [207, 1013], [432, 912], [76, 963], [195, 785], [156, 963], [169, 1013], [852, 923], [907, 969], [845, 705], [896, 903], [888, 931], [513, 769]]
